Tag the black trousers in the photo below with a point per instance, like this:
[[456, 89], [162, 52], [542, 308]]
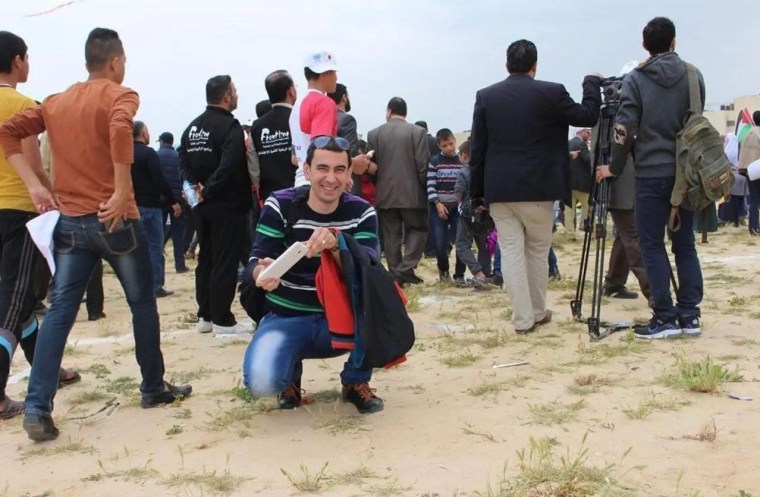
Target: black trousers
[[18, 267], [222, 235], [626, 255]]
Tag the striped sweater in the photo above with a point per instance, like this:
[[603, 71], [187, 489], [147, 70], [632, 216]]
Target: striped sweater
[[297, 293], [441, 176]]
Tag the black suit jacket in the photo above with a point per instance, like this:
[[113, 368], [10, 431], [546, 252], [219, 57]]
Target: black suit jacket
[[519, 138]]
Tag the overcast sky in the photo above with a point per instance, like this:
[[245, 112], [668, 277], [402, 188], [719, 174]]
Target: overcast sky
[[434, 53]]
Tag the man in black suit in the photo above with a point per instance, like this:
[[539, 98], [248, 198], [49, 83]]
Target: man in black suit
[[519, 166]]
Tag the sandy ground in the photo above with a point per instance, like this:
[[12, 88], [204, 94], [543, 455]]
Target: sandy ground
[[452, 423]]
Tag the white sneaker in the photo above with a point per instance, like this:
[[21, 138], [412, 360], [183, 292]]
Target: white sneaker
[[204, 326], [236, 329]]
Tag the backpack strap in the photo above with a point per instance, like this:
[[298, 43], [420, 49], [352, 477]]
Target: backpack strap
[[695, 100]]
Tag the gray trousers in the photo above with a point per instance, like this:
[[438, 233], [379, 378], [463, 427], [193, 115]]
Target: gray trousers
[[625, 255], [396, 222], [465, 237]]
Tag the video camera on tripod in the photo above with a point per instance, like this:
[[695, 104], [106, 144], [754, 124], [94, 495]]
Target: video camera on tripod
[[595, 224]]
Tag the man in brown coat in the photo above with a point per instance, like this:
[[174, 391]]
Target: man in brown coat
[[400, 166]]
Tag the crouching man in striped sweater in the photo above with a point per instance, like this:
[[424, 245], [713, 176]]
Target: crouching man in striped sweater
[[294, 327]]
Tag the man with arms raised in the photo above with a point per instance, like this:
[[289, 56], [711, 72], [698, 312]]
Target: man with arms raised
[[90, 130]]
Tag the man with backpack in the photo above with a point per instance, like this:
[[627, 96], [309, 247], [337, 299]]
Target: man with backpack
[[294, 326], [654, 103]]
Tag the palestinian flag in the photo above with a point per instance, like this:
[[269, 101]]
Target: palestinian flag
[[744, 126]]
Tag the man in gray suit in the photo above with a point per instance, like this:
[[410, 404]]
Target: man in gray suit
[[400, 165]]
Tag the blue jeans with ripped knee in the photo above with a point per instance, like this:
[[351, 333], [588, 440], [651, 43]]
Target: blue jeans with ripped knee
[[274, 358]]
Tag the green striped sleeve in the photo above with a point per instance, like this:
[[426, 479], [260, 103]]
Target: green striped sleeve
[[268, 231], [292, 305], [364, 235]]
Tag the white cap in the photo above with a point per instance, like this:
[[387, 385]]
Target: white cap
[[320, 62]]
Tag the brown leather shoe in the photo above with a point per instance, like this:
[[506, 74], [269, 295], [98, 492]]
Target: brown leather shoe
[[546, 319], [363, 397], [290, 398]]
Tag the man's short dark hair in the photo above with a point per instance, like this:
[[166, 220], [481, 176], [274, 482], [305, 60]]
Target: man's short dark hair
[[464, 147], [422, 124], [397, 106], [263, 107], [277, 85], [658, 35], [521, 56], [217, 87], [339, 93], [332, 147], [362, 145], [10, 46], [310, 75], [443, 135], [137, 129], [756, 117], [102, 45]]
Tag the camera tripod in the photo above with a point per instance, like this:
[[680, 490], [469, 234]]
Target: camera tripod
[[595, 227]]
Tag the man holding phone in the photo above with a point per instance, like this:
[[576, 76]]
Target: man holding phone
[[90, 130], [295, 327]]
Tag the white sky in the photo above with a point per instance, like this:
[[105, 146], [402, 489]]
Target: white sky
[[434, 53]]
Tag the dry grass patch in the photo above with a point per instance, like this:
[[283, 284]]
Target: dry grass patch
[[215, 483], [494, 389], [350, 424], [460, 360], [589, 383], [708, 433], [654, 403], [71, 446], [542, 474], [306, 481], [703, 375], [554, 413]]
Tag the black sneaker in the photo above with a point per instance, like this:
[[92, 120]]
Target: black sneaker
[[690, 326], [96, 316], [182, 270], [444, 276], [40, 428], [498, 280], [363, 397], [162, 292], [620, 292], [169, 395], [290, 398], [554, 275], [657, 329]]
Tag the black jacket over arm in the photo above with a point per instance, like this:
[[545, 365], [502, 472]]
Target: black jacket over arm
[[519, 147]]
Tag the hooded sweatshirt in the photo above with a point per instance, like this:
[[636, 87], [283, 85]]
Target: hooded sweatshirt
[[653, 104]]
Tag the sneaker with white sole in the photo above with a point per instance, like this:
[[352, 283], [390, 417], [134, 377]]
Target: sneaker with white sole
[[235, 329], [204, 326], [690, 326], [657, 329]]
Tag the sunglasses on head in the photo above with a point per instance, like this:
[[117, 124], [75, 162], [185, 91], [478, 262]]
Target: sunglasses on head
[[326, 141]]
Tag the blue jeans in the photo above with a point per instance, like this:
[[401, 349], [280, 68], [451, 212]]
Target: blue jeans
[[497, 260], [443, 231], [652, 208], [152, 219], [553, 264], [176, 231], [274, 358], [79, 244]]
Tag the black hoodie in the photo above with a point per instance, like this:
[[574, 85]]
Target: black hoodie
[[653, 104]]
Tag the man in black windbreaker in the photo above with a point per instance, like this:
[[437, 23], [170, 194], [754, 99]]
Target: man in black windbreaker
[[213, 160]]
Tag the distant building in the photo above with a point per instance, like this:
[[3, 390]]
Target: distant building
[[724, 117]]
